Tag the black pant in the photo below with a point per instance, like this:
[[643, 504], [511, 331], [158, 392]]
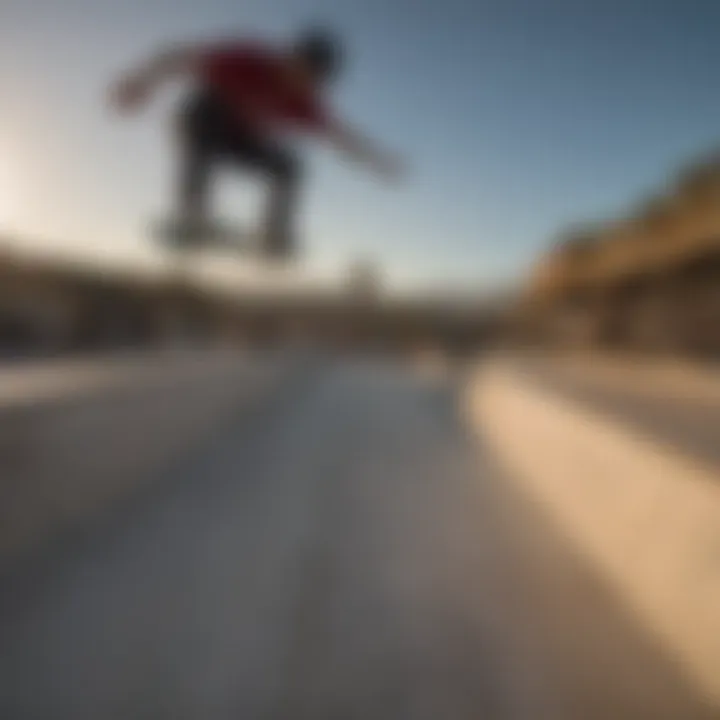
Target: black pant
[[211, 133]]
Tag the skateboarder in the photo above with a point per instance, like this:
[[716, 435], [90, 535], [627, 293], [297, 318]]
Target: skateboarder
[[246, 96]]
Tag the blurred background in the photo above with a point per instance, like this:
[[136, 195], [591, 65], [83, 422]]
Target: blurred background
[[461, 461]]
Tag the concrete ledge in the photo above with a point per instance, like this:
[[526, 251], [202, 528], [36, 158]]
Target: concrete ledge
[[77, 437], [645, 516]]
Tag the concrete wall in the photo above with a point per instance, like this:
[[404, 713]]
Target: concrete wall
[[77, 437], [647, 518]]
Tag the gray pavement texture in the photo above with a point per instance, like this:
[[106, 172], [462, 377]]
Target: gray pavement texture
[[689, 425], [354, 556]]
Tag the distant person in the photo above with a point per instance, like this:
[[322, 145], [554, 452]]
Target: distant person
[[246, 96]]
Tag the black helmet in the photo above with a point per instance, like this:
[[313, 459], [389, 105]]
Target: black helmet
[[321, 50]]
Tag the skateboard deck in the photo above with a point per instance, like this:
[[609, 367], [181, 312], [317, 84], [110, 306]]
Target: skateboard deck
[[176, 235]]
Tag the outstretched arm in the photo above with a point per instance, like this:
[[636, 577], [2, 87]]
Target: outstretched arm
[[136, 87], [361, 149]]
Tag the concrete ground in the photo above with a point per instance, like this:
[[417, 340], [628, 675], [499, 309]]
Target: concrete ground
[[674, 404], [352, 555]]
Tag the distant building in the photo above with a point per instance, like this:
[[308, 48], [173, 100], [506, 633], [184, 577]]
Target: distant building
[[648, 281], [51, 308]]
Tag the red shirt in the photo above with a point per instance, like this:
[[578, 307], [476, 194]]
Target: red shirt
[[254, 80]]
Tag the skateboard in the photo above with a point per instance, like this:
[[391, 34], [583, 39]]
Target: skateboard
[[216, 236], [176, 235]]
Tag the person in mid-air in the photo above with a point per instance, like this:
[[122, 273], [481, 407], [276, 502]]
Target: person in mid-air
[[246, 96]]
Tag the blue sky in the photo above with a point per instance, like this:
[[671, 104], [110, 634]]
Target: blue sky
[[517, 117]]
